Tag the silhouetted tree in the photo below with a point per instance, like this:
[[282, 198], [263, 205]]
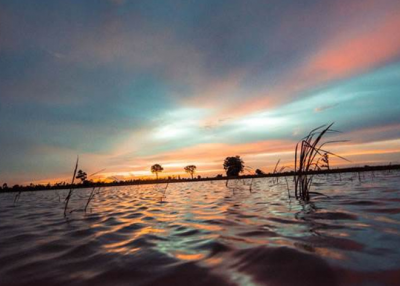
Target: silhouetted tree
[[259, 172], [5, 186], [233, 166], [191, 169], [82, 176], [156, 168]]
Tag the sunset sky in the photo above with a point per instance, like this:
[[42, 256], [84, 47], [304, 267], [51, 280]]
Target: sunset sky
[[126, 84]]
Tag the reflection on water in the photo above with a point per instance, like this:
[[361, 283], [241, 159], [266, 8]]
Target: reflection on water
[[204, 233]]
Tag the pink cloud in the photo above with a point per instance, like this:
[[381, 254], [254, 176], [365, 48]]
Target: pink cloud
[[346, 51], [346, 55]]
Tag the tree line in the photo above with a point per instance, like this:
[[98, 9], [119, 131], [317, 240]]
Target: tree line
[[233, 167]]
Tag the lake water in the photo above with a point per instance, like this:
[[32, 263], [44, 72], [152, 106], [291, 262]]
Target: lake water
[[203, 233]]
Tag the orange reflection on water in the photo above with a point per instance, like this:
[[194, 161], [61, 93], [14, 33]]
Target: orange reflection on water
[[210, 217], [391, 231], [385, 219], [203, 226], [189, 257], [213, 261], [330, 253], [124, 246], [359, 224], [342, 234]]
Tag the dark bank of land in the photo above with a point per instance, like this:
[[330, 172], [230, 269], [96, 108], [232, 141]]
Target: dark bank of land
[[88, 184]]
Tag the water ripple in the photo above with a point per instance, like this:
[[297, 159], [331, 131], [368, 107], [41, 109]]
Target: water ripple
[[204, 233]]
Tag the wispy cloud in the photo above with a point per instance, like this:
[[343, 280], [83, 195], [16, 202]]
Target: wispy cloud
[[325, 107]]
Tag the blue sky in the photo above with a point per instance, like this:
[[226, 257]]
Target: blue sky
[[126, 84]]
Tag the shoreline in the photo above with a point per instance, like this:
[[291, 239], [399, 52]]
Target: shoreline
[[186, 180]]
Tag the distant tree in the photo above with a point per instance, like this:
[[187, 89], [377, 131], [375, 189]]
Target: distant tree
[[233, 166], [156, 168], [219, 176], [199, 177], [5, 186], [191, 169], [259, 172], [82, 176]]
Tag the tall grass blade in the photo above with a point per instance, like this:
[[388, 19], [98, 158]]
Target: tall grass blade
[[71, 189]]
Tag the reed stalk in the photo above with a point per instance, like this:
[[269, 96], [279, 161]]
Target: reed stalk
[[166, 187], [71, 189], [59, 197], [287, 186], [276, 171], [276, 167], [91, 196], [251, 184], [164, 191], [17, 196]]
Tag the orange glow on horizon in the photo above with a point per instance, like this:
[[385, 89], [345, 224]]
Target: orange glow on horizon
[[253, 156]]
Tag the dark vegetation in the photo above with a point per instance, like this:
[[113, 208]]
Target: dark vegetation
[[259, 172], [90, 184], [310, 156], [156, 168], [233, 166], [191, 169], [81, 176]]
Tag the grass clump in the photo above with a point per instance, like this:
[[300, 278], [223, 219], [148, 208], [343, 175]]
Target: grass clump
[[310, 156]]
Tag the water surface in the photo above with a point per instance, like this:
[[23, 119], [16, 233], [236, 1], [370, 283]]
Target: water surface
[[204, 233]]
